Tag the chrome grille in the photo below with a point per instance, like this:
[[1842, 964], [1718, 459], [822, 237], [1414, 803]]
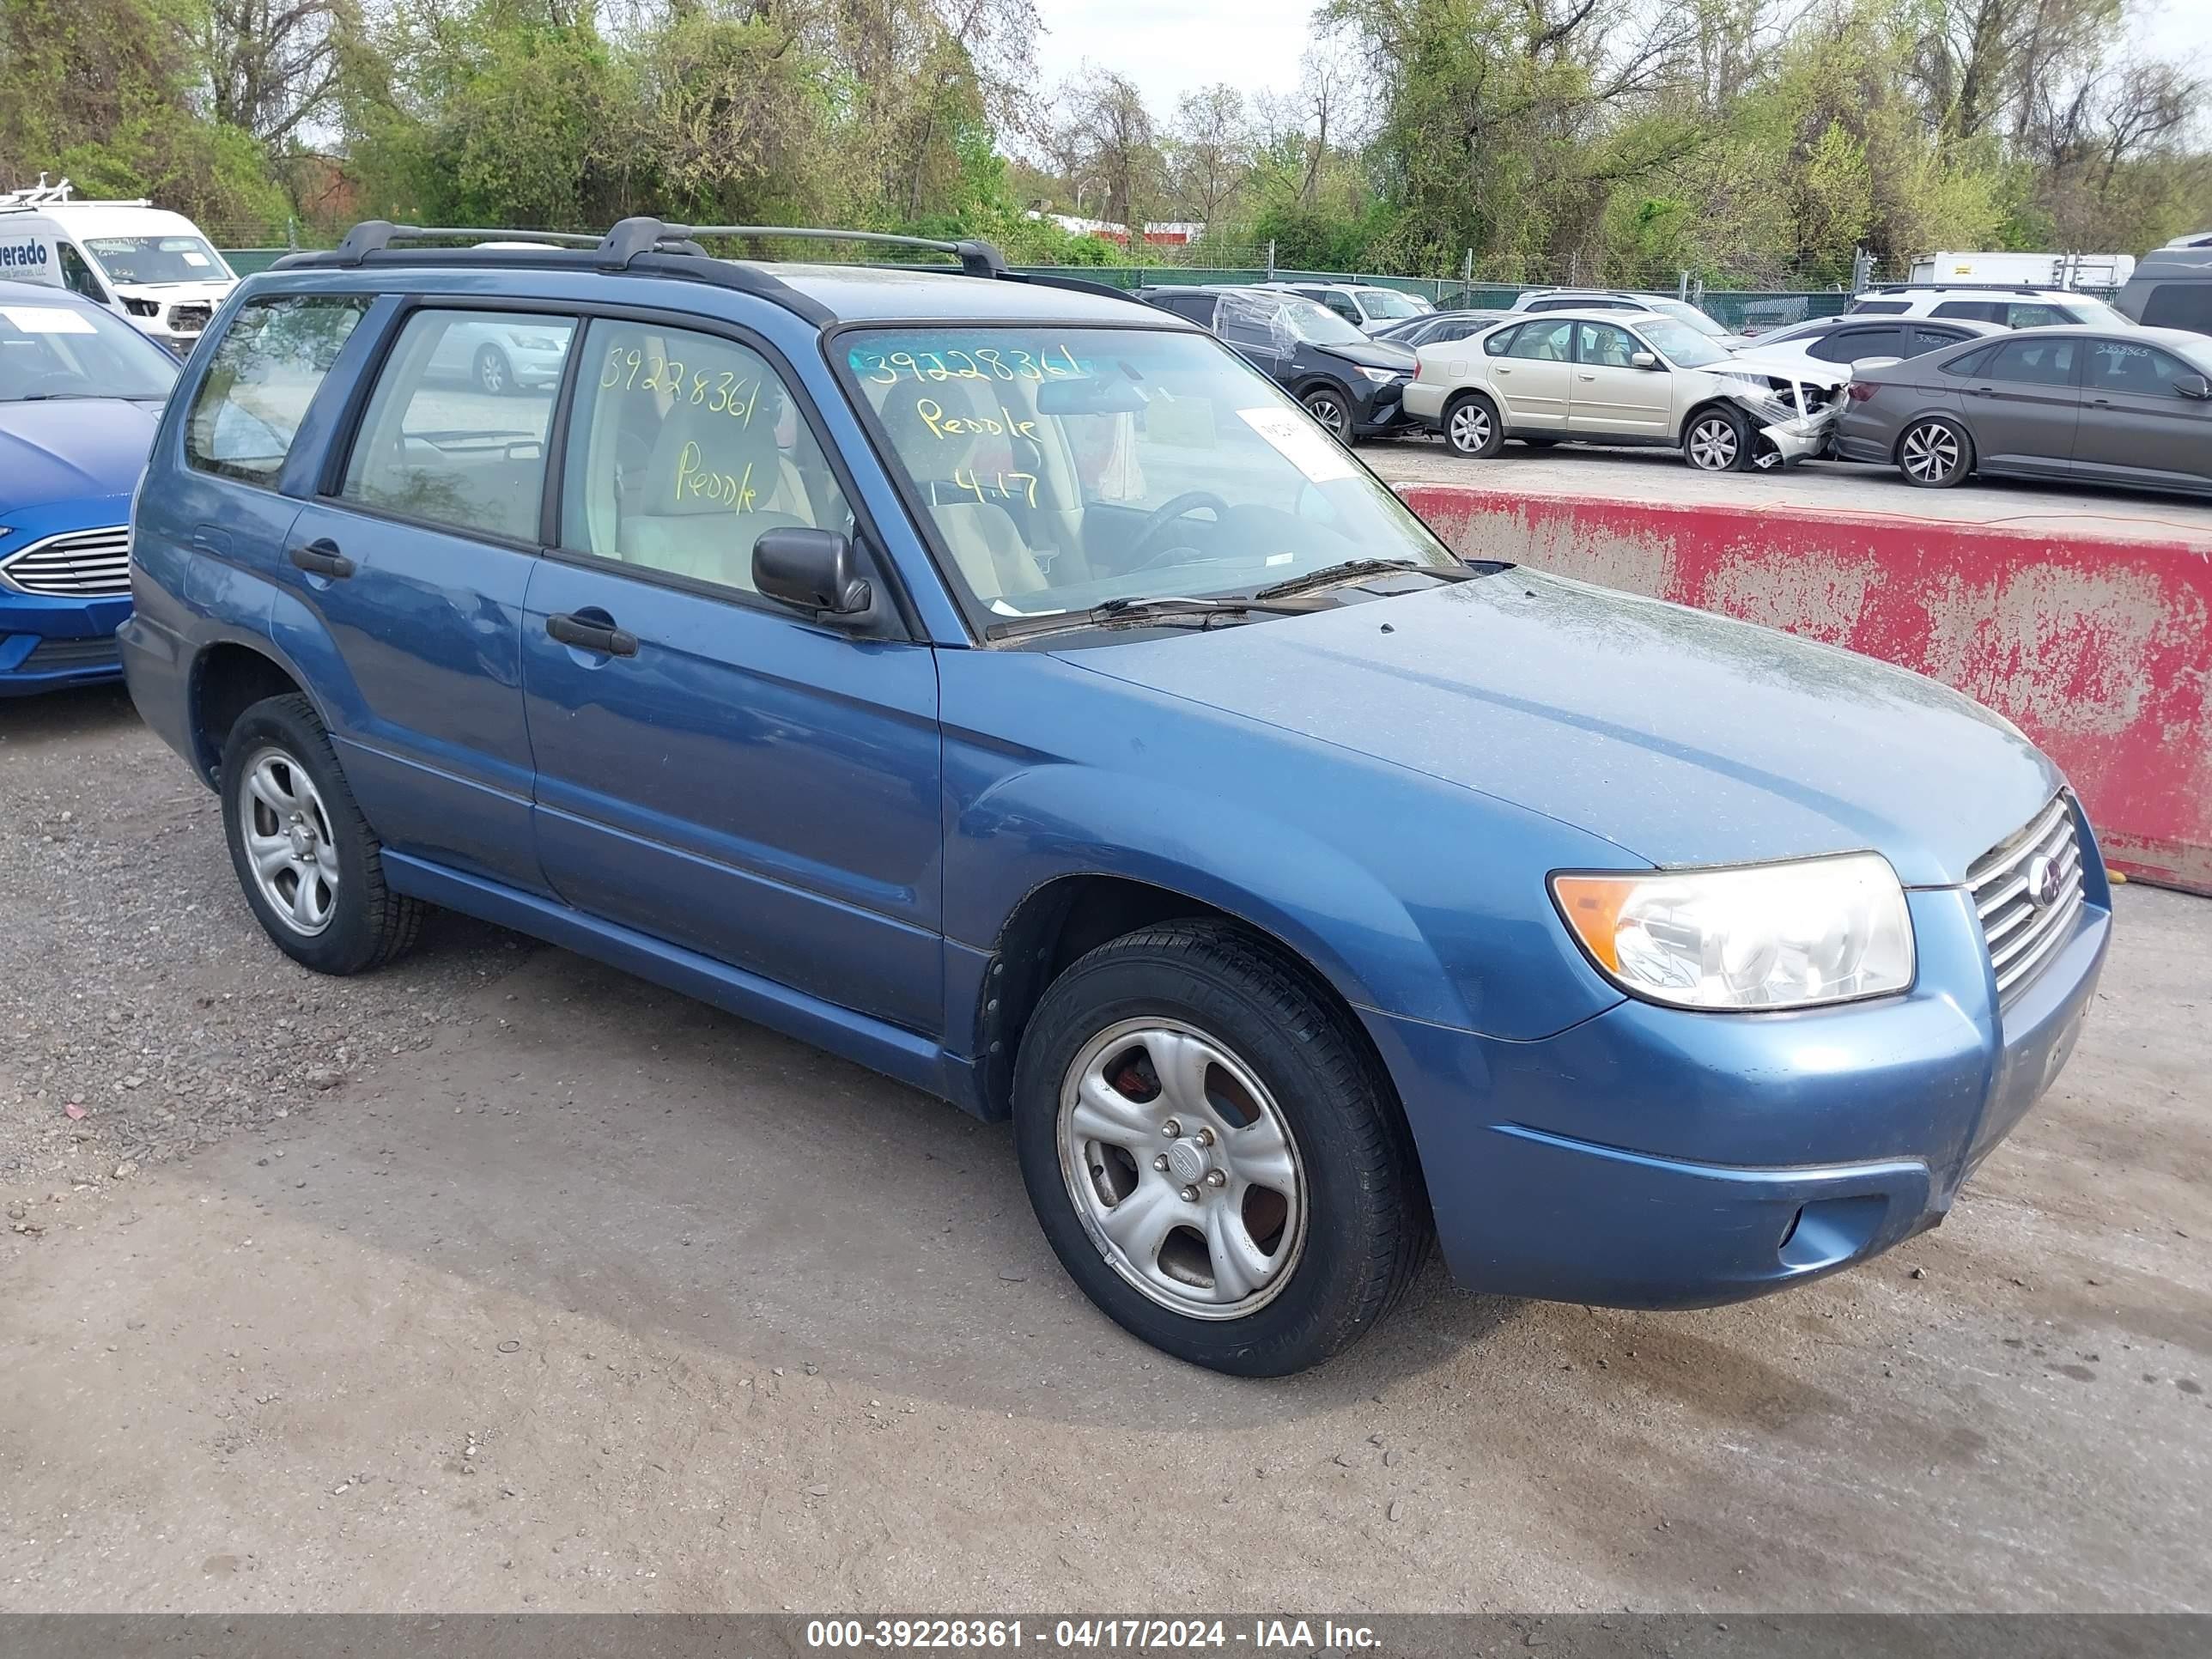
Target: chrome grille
[[2022, 935], [87, 564]]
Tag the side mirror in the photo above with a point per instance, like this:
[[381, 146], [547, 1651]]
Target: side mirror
[[2194, 385], [811, 570], [1643, 359]]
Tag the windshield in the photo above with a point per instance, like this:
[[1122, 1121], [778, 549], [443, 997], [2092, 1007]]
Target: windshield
[[1061, 468], [1388, 302], [2095, 313], [1316, 324], [1685, 348], [76, 351], [151, 261], [1682, 311]]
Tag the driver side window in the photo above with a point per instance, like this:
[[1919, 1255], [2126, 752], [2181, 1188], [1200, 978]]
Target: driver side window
[[683, 448]]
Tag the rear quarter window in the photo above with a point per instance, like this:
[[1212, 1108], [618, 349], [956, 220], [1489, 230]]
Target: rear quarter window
[[2180, 305], [267, 368]]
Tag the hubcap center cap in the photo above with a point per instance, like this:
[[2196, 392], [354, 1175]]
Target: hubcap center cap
[[303, 840], [1188, 1163]]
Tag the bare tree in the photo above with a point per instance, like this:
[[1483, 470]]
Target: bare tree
[[1213, 148], [272, 66]]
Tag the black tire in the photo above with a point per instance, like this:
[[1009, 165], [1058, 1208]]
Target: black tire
[[367, 925], [1331, 409], [1935, 454], [1366, 1226], [1717, 439], [1473, 426], [492, 372]]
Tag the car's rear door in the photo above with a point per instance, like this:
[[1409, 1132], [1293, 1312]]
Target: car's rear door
[[1533, 374], [2023, 405], [2136, 427], [712, 768], [1610, 396], [412, 560]]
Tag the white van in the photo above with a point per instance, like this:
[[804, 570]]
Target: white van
[[150, 267]]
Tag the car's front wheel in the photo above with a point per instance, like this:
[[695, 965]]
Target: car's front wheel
[[1935, 454], [1211, 1152], [312, 869], [1471, 426], [1326, 405], [494, 373], [1718, 441]]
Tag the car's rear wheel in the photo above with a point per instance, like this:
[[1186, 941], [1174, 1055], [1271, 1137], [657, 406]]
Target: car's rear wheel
[[1326, 405], [1212, 1154], [312, 869], [1935, 454], [1717, 440], [1471, 426], [494, 373]]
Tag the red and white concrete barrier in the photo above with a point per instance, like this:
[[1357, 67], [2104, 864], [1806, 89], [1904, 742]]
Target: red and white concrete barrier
[[2099, 648]]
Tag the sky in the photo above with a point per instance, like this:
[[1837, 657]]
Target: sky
[[1169, 47]]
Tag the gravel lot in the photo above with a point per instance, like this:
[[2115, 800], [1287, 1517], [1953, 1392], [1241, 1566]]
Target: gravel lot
[[500, 1281]]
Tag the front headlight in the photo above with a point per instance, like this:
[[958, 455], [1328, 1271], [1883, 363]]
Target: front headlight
[[1763, 936], [1381, 376]]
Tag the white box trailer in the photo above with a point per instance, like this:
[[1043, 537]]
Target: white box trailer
[[150, 267], [2058, 270]]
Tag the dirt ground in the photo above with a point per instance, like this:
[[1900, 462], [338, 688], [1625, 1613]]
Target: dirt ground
[[500, 1281]]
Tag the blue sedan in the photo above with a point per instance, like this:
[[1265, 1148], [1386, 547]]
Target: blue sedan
[[80, 395], [1009, 687]]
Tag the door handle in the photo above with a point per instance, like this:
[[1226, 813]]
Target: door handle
[[586, 635], [2100, 403], [206, 539], [321, 557], [1585, 377]]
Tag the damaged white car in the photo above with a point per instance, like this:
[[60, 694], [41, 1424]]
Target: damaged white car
[[1607, 377]]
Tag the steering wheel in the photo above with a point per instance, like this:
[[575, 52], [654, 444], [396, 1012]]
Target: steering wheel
[[1165, 514]]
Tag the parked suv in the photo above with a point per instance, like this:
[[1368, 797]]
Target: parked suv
[[1350, 384], [1367, 307], [1614, 378], [1006, 686], [1982, 302], [1541, 300], [2172, 288]]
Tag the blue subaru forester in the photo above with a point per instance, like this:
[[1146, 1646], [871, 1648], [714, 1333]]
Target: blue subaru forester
[[1004, 685]]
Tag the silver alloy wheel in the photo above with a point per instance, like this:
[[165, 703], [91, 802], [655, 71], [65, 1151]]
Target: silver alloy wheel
[[288, 841], [1714, 446], [1327, 408], [491, 370], [1470, 428], [1183, 1168], [1931, 452]]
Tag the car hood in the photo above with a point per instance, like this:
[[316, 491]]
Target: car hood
[[1682, 737], [1373, 354], [66, 449]]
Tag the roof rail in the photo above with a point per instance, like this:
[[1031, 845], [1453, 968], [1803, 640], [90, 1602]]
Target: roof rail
[[1964, 287], [375, 235]]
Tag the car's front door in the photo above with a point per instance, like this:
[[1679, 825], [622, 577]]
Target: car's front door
[[2138, 426], [1533, 374], [1611, 397], [714, 769], [2023, 406], [414, 559]]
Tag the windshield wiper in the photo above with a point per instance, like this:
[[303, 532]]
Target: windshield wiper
[[1108, 613], [63, 396], [1352, 569]]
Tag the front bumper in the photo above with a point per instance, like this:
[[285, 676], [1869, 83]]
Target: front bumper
[[1382, 408], [51, 644], [1651, 1157]]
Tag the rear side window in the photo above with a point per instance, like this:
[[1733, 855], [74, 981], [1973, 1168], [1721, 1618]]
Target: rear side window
[[1849, 345], [455, 433], [1543, 343], [2032, 363], [2038, 316], [1925, 338], [1971, 363], [267, 367], [1880, 307], [1979, 310], [2179, 305], [1501, 344]]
